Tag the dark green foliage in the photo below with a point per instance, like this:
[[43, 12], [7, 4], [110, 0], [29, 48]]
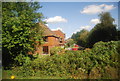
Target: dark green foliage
[[107, 52], [95, 63], [80, 37], [106, 18], [19, 29], [118, 35], [103, 31], [22, 59]]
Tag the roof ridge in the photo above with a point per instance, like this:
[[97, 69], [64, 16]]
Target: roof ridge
[[48, 31]]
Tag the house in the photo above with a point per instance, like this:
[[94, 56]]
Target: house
[[51, 39]]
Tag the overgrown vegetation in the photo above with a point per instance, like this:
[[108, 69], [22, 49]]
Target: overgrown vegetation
[[19, 29], [102, 61], [56, 50], [81, 37], [20, 34]]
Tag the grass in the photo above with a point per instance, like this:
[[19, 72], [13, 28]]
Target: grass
[[8, 73]]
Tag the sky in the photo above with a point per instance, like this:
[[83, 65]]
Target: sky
[[71, 17]]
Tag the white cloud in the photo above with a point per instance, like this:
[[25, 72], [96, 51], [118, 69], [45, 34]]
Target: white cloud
[[82, 27], [55, 19], [95, 21], [76, 31], [57, 29], [85, 27], [46, 24], [93, 9]]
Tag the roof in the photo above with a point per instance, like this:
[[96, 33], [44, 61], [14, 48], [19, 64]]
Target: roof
[[59, 33], [48, 32]]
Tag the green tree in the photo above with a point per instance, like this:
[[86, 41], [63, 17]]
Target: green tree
[[103, 31], [19, 29], [70, 42], [80, 37], [118, 35]]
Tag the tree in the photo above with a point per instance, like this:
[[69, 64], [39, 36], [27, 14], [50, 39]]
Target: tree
[[18, 21], [103, 31], [80, 37], [118, 35], [70, 42]]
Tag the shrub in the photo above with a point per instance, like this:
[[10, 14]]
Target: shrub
[[107, 52], [76, 63], [56, 50], [22, 59]]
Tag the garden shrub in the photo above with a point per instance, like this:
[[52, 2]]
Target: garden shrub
[[81, 64], [107, 52], [22, 59], [95, 73], [56, 50]]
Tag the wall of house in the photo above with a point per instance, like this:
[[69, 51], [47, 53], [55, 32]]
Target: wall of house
[[61, 35], [52, 41]]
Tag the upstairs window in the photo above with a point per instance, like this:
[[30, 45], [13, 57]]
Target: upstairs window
[[60, 40]]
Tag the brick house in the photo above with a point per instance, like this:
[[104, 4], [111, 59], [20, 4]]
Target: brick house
[[51, 39]]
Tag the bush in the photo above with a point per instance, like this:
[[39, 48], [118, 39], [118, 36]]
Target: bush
[[87, 63], [56, 50], [107, 52], [22, 59]]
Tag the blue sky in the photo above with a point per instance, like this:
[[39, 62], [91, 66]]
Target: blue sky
[[71, 17]]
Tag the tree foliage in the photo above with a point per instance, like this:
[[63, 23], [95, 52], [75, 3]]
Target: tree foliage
[[70, 43], [80, 37], [19, 31], [103, 31], [118, 35]]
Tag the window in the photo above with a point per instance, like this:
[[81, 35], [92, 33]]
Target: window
[[60, 40], [45, 49]]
